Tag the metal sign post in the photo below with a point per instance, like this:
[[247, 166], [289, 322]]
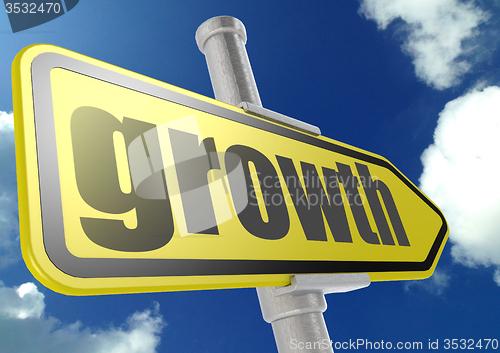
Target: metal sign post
[[295, 311]]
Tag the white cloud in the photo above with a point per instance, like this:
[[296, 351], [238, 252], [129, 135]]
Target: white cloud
[[496, 277], [462, 175], [9, 224], [6, 121], [436, 284], [21, 303], [437, 31], [24, 328]]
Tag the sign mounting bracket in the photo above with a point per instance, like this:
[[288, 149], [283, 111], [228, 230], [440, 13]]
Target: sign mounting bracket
[[279, 118], [296, 311]]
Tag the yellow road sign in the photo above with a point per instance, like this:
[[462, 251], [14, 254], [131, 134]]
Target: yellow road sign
[[127, 184]]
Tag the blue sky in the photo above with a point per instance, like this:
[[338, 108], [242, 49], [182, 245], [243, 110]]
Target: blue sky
[[414, 81]]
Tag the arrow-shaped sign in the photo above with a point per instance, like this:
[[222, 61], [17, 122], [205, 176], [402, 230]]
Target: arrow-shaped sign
[[127, 184]]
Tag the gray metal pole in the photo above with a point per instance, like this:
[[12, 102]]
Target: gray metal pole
[[295, 311], [222, 39]]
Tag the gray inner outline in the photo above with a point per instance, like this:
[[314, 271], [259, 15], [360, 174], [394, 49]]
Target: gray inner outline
[[51, 206]]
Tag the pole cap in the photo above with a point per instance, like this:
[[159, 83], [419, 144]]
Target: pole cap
[[216, 25]]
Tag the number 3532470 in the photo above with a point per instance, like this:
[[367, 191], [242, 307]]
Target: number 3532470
[[32, 8]]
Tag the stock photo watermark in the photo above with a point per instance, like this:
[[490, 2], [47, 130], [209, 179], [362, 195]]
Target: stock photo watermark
[[309, 181], [33, 13], [366, 344]]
